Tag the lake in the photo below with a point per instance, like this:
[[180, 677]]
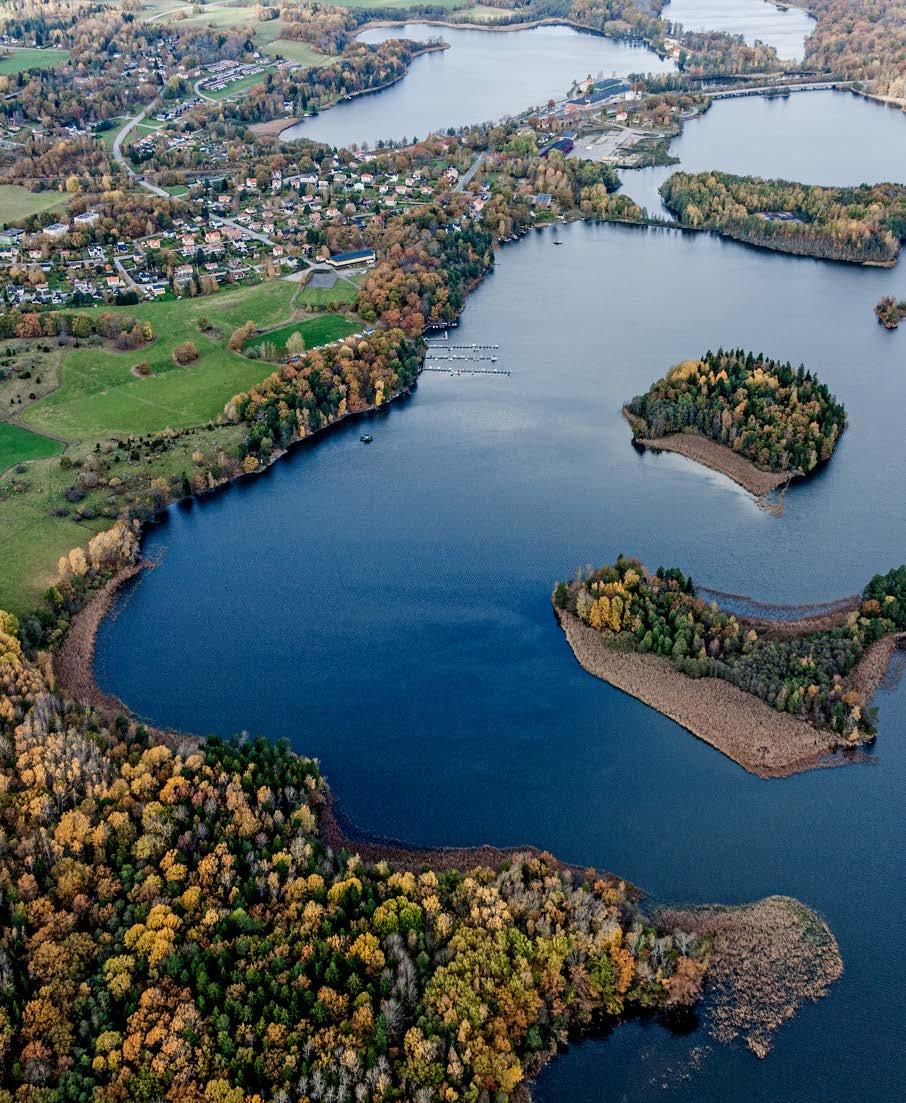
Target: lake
[[755, 20], [387, 609], [813, 137], [482, 77]]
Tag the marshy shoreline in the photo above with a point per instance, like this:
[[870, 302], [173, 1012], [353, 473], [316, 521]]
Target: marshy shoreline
[[760, 739], [718, 457]]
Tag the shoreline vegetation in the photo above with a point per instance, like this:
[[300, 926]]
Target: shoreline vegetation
[[632, 964], [776, 697], [718, 457], [758, 421], [856, 225]]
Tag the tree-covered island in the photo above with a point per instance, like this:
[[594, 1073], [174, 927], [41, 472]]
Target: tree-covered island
[[775, 696], [861, 225], [759, 421]]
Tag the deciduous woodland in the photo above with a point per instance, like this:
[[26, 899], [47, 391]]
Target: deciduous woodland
[[862, 225], [808, 674], [780, 418], [175, 926]]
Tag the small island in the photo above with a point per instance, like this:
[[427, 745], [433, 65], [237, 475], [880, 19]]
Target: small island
[[776, 696], [758, 421], [890, 312], [860, 225]]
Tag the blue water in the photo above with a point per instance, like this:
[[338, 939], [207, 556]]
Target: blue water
[[755, 20], [386, 608], [483, 76], [832, 138]]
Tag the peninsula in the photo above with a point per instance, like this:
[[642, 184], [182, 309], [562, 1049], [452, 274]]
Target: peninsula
[[187, 883], [758, 421], [776, 697], [859, 225]]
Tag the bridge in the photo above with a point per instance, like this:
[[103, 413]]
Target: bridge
[[765, 89]]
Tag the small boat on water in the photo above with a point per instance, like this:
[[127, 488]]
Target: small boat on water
[[559, 243], [366, 438]]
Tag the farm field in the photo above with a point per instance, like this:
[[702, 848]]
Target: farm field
[[294, 50], [21, 58], [17, 203], [19, 445], [316, 331], [100, 395]]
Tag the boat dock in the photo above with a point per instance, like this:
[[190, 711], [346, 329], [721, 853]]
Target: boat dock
[[470, 371]]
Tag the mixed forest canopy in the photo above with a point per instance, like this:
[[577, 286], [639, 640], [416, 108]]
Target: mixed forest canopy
[[173, 926], [862, 225], [804, 675], [779, 417]]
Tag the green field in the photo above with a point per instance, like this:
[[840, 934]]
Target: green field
[[342, 293], [294, 50], [99, 396], [20, 59], [400, 4], [33, 535], [235, 86], [316, 331], [17, 203], [20, 446]]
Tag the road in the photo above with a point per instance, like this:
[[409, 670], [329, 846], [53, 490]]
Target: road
[[817, 86], [130, 282], [117, 153], [467, 177]]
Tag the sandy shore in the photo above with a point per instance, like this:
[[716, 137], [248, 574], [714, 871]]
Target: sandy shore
[[760, 739], [767, 960], [273, 128], [719, 458]]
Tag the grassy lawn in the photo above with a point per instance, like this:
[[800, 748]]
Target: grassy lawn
[[33, 535], [20, 446], [316, 331], [176, 189], [395, 4], [99, 396], [17, 203], [236, 86], [481, 13], [343, 292], [293, 50], [18, 60]]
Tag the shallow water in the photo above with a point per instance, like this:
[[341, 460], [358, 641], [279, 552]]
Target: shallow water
[[755, 20], [483, 76], [386, 608]]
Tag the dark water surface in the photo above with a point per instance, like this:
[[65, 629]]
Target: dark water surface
[[833, 138], [483, 76], [755, 20], [386, 608]]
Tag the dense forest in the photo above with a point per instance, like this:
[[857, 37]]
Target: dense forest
[[779, 417], [804, 675], [861, 40], [173, 926], [323, 385], [862, 225]]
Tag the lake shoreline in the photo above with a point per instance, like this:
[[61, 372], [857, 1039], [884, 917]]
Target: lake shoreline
[[718, 457], [760, 739], [288, 124]]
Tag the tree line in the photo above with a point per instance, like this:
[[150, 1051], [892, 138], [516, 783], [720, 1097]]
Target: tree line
[[780, 417], [804, 675]]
